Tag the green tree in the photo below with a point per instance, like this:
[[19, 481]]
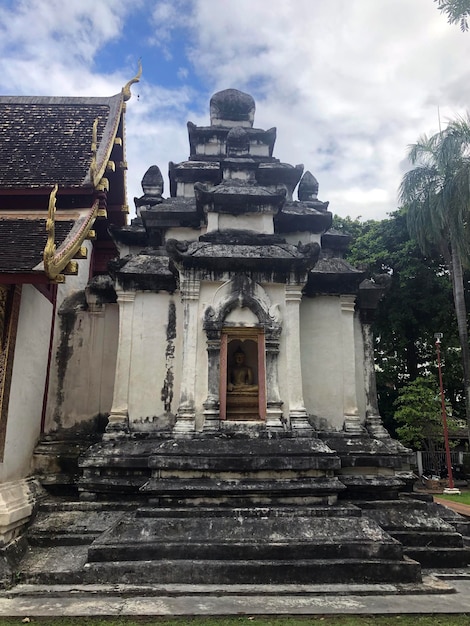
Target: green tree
[[437, 195], [417, 304], [418, 411], [457, 11]]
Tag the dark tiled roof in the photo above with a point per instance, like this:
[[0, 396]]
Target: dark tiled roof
[[22, 242], [48, 140]]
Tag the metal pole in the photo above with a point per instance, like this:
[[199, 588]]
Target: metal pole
[[444, 416]]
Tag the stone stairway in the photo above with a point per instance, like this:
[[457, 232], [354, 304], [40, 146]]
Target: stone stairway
[[422, 530], [84, 543], [233, 510]]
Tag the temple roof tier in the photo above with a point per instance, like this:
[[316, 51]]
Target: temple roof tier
[[303, 216], [146, 271], [277, 258], [237, 197], [46, 139], [210, 142], [22, 243]]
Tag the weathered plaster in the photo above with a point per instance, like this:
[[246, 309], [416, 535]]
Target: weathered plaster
[[27, 385]]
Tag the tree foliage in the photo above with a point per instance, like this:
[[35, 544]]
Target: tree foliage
[[417, 304], [457, 12], [436, 192], [418, 411]]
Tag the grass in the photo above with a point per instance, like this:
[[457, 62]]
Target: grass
[[342, 620], [463, 498]]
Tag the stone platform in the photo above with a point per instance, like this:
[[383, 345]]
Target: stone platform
[[239, 508]]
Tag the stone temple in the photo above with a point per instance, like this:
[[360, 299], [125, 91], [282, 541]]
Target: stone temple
[[229, 347]]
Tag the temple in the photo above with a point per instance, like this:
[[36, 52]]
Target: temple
[[208, 386]]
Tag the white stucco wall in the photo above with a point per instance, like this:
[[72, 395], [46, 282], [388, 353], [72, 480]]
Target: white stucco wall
[[322, 358], [151, 358], [27, 385], [81, 386], [83, 361]]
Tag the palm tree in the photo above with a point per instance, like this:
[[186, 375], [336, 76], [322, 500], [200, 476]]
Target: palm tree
[[436, 193], [457, 11]]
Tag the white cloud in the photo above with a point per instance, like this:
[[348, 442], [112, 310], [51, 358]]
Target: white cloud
[[348, 83]]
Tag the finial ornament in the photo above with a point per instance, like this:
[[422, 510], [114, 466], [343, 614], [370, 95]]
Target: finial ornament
[[126, 90]]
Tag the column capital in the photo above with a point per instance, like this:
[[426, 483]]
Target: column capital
[[348, 303], [189, 288], [293, 293], [125, 296]]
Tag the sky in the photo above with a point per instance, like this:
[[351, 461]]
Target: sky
[[349, 84]]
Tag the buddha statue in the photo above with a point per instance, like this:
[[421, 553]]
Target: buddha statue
[[240, 378]]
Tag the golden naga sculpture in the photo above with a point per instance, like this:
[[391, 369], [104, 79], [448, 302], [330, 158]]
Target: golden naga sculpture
[[58, 262], [126, 90], [50, 248]]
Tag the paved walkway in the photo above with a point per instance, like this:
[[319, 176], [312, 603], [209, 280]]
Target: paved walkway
[[446, 594]]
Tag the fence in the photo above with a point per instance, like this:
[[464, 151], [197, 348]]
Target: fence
[[434, 463]]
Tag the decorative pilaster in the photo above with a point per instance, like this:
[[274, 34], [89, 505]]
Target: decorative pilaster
[[297, 413], [374, 422], [352, 422], [186, 414], [118, 422], [274, 403], [212, 403]]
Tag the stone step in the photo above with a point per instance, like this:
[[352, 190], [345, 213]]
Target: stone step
[[236, 536], [71, 527], [261, 571], [52, 567], [411, 538], [52, 505], [203, 512], [429, 585], [269, 490], [438, 557]]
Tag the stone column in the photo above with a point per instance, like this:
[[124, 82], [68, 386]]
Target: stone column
[[273, 396], [374, 422], [297, 413], [352, 423], [212, 403], [118, 422], [186, 414]]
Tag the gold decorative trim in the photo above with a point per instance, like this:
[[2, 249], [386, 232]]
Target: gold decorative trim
[[71, 269], [126, 90], [94, 149], [57, 261], [103, 185], [50, 248], [82, 253]]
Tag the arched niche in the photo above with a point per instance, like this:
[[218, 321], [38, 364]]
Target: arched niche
[[242, 315]]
